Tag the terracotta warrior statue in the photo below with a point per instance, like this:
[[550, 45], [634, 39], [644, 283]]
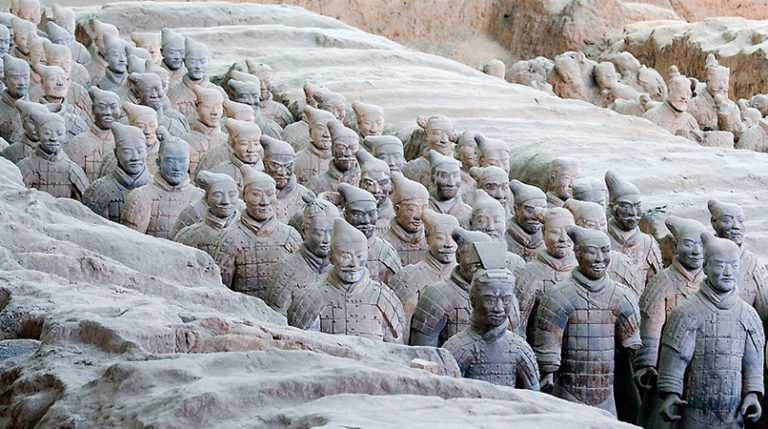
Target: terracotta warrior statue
[[376, 178], [343, 167], [664, 292], [672, 114], [486, 349], [221, 153], [524, 235], [64, 19], [587, 311], [61, 56], [495, 182], [270, 108], [5, 40], [88, 149], [172, 49], [145, 119], [388, 149], [279, 159], [489, 217], [445, 181], [147, 89], [98, 63], [466, 153], [561, 175], [610, 87], [222, 211], [16, 82], [29, 140], [247, 252], [116, 73], [106, 195], [48, 168], [316, 157], [298, 134], [728, 222], [247, 92], [360, 211], [23, 32], [444, 307], [406, 230], [197, 211], [552, 265], [348, 301], [437, 265], [205, 132], [245, 140], [492, 152], [152, 209], [625, 209], [310, 264], [439, 136], [702, 107], [591, 189], [196, 62], [370, 118], [55, 87], [711, 359], [28, 10]]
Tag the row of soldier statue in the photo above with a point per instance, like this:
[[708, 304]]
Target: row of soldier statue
[[333, 228]]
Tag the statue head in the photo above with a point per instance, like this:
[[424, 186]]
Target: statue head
[[370, 118], [466, 149], [593, 251], [58, 55], [718, 77], [55, 82], [173, 159], [51, 130], [279, 158], [5, 40], [587, 214], [330, 101], [561, 174], [64, 17], [58, 35], [388, 149], [23, 32], [409, 199], [239, 111], [437, 230], [567, 80], [244, 92], [494, 67], [344, 146], [220, 193], [265, 74], [209, 105], [105, 107], [626, 62], [721, 263], [317, 225], [172, 49], [360, 208], [100, 29], [488, 215], [148, 89], [438, 133], [527, 199], [605, 75], [130, 148], [349, 252], [28, 10], [195, 59], [493, 152], [760, 102], [150, 42], [245, 139], [591, 189], [727, 220], [556, 222], [318, 127], [259, 193], [165, 77], [492, 295], [16, 77], [114, 53], [492, 180], [467, 254], [445, 175], [25, 109], [679, 90], [144, 118], [689, 249], [626, 204], [375, 176]]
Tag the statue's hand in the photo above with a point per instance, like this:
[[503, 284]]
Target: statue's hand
[[750, 408], [669, 407], [645, 377], [547, 383]]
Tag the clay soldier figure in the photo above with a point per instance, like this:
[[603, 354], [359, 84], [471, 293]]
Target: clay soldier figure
[[147, 88], [89, 148], [728, 222], [492, 152], [360, 211], [626, 237], [279, 159], [98, 64], [5, 40], [106, 195], [331, 101], [406, 230], [495, 182], [56, 87], [487, 350], [439, 136], [444, 307], [553, 264], [116, 73], [153, 208], [196, 212], [524, 235], [29, 140], [244, 138], [270, 108], [16, 81], [316, 157], [702, 106], [591, 189], [437, 265], [149, 41], [388, 149], [172, 48], [48, 168], [221, 153], [310, 264], [23, 32], [664, 292], [64, 18], [466, 153], [672, 114], [489, 217], [247, 92], [248, 251], [60, 56], [343, 168], [196, 61], [711, 360], [28, 10], [561, 174], [370, 118], [579, 324], [221, 198], [444, 190], [298, 133], [145, 119], [348, 301], [376, 178], [205, 132]]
